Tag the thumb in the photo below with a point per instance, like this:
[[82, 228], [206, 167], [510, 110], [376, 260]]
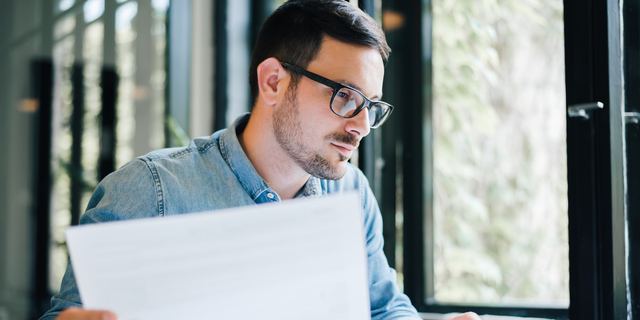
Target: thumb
[[466, 316], [81, 314]]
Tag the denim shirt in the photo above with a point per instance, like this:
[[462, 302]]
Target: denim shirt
[[214, 173]]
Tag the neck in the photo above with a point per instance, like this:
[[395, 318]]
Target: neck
[[271, 162]]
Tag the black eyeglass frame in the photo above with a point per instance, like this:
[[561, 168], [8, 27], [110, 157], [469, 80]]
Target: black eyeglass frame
[[336, 88]]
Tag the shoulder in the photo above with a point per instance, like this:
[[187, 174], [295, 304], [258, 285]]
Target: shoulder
[[142, 187], [146, 168], [197, 147], [178, 161]]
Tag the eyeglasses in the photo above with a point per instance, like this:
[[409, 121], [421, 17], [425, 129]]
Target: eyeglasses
[[347, 102]]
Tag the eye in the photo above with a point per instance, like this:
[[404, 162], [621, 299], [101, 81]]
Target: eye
[[345, 93]]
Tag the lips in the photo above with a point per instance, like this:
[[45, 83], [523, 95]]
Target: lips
[[345, 150], [344, 147], [345, 143]]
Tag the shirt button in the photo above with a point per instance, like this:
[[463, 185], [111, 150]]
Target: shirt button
[[270, 195]]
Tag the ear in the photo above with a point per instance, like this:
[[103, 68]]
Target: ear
[[270, 84]]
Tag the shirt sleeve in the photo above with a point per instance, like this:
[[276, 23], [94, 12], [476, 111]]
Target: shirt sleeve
[[129, 193], [387, 302]]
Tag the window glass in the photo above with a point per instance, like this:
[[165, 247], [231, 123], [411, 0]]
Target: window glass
[[238, 58], [93, 9], [125, 65], [64, 5], [500, 168], [61, 141], [160, 5], [124, 14], [158, 73], [92, 55], [140, 64], [64, 26]]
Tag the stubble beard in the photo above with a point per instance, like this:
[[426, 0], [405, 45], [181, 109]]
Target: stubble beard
[[289, 134]]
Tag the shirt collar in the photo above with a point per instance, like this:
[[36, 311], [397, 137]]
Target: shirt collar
[[310, 189], [247, 175]]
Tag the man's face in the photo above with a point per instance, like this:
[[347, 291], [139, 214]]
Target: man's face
[[316, 139]]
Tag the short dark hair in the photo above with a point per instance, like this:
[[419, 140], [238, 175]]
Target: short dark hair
[[294, 33]]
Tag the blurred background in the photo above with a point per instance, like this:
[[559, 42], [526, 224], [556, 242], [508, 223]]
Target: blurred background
[[472, 171]]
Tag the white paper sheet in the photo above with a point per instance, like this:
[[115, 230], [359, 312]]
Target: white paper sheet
[[299, 259]]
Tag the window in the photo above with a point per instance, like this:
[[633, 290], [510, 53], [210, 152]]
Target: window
[[500, 223], [431, 185]]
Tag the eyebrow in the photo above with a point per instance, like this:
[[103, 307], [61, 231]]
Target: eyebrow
[[352, 85]]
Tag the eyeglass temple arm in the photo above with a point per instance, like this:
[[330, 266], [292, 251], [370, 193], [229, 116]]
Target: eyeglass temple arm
[[331, 84]]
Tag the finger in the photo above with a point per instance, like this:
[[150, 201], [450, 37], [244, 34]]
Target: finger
[[466, 316], [472, 316], [81, 314]]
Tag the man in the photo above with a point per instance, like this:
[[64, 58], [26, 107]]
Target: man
[[316, 74]]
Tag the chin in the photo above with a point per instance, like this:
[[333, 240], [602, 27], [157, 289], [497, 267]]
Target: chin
[[324, 168], [333, 172], [341, 170]]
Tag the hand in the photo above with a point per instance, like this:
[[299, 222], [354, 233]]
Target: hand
[[466, 316], [81, 314]]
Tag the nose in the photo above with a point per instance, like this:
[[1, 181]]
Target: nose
[[359, 125]]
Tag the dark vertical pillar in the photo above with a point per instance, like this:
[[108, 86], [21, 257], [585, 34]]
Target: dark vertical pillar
[[367, 151], [583, 270], [391, 142], [260, 10], [631, 18], [109, 98], [417, 153], [221, 71], [633, 213], [42, 90], [387, 186], [107, 157], [367, 157], [594, 146], [408, 138], [77, 127]]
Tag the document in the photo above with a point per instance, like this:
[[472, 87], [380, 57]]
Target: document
[[298, 259]]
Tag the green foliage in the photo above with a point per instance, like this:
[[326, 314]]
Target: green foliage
[[499, 151]]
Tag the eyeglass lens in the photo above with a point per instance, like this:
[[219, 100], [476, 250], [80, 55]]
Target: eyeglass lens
[[347, 101]]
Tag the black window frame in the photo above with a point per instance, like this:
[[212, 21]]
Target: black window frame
[[631, 14]]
